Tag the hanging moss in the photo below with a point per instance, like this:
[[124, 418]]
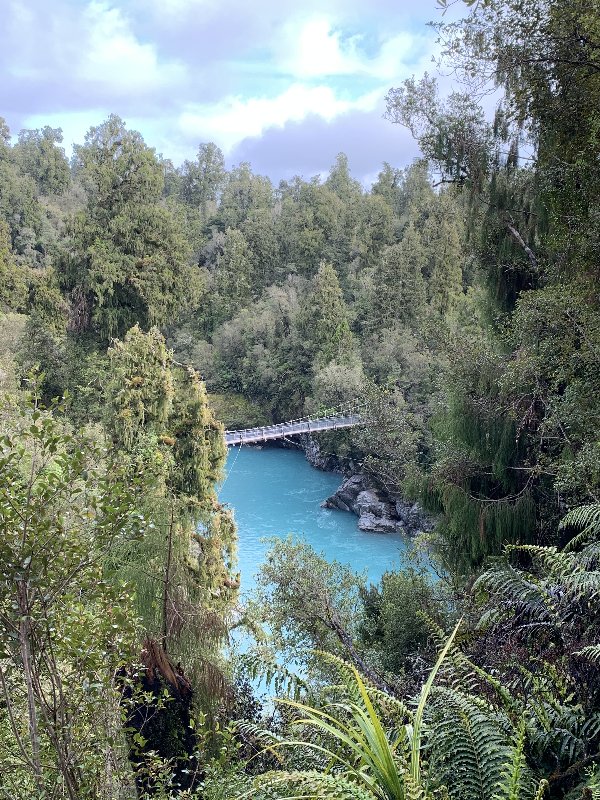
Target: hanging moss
[[141, 389]]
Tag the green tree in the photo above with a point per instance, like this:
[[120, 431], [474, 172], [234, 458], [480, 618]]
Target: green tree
[[242, 193], [117, 169], [311, 219], [126, 258], [13, 279], [308, 603], [388, 184], [19, 207], [393, 441], [183, 570], [232, 279], [441, 239], [374, 229], [397, 619], [532, 221], [64, 629], [202, 180], [452, 133], [325, 319], [39, 155], [261, 352], [161, 422], [260, 231], [340, 182], [399, 284]]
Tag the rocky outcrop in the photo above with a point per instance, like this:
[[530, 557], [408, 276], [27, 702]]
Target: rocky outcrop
[[375, 510]]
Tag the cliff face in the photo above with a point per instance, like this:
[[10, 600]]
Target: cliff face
[[325, 461]]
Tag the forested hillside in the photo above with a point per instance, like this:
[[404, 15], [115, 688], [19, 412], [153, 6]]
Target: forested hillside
[[144, 306]]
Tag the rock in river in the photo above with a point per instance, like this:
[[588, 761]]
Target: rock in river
[[376, 511]]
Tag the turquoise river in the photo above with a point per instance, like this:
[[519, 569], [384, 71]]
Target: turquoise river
[[275, 492]]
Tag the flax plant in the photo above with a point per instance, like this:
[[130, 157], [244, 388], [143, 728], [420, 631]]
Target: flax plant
[[362, 759]]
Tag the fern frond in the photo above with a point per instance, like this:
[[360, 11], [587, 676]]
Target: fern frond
[[266, 740], [309, 785], [514, 586], [542, 788], [390, 706], [507, 700], [589, 557], [345, 670], [583, 585], [591, 653], [591, 726], [510, 786], [414, 791], [415, 746], [585, 518], [469, 745], [261, 664]]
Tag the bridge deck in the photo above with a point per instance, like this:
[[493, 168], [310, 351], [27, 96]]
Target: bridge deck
[[283, 429]]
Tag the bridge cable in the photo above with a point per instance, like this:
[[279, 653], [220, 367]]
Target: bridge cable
[[230, 470]]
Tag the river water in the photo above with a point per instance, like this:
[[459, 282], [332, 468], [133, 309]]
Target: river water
[[275, 492]]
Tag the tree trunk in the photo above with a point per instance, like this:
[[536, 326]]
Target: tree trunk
[[26, 659]]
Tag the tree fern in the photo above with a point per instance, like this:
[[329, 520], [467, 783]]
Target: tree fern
[[545, 618]]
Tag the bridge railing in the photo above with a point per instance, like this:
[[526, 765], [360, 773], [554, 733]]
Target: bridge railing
[[351, 410]]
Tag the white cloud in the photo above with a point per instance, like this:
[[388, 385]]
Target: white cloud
[[236, 118], [184, 71], [114, 57], [317, 48]]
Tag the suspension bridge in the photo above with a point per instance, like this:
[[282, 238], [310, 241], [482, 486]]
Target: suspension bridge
[[346, 417]]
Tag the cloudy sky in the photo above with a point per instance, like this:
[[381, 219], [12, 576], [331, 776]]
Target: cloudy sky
[[283, 84]]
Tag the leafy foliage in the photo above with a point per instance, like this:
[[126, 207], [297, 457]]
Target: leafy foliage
[[64, 628]]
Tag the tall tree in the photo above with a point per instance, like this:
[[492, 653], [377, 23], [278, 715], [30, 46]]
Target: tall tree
[[19, 206], [202, 180], [399, 284], [126, 258], [242, 193], [40, 156], [442, 241], [162, 428], [340, 181], [232, 279], [13, 279], [311, 220], [161, 422], [325, 319]]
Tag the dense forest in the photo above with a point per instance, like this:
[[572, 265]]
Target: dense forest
[[144, 307]]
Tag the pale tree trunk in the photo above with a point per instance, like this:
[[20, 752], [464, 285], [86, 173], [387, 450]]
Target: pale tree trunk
[[167, 581], [26, 660]]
